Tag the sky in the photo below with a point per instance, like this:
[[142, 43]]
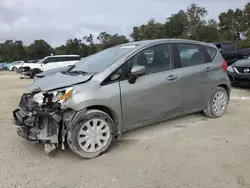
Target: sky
[[58, 20]]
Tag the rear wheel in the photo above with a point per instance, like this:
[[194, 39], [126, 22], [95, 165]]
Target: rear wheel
[[14, 69], [92, 134], [217, 104]]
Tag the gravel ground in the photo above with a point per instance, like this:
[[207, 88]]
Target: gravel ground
[[192, 151]]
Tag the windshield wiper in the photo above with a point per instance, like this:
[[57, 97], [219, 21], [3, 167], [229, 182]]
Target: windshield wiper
[[76, 72], [70, 68]]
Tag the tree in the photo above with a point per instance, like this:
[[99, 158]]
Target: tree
[[11, 51], [60, 50], [89, 39], [108, 40], [233, 24], [209, 32], [152, 30], [176, 25], [195, 20], [91, 48], [39, 49]]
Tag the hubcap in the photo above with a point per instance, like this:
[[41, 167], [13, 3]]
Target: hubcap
[[219, 103], [93, 135]]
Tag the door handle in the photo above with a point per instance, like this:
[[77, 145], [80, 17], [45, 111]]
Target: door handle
[[172, 78], [209, 69]]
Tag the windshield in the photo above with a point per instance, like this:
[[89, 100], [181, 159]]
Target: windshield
[[99, 62]]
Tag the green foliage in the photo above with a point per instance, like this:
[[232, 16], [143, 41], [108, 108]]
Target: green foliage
[[233, 25], [107, 40], [10, 51], [39, 49]]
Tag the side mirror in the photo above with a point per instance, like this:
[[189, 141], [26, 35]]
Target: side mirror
[[135, 72], [138, 70]]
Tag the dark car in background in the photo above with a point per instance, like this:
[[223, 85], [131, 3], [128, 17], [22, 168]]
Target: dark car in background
[[230, 53], [239, 72]]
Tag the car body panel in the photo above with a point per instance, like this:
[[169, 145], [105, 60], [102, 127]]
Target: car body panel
[[151, 96], [92, 94], [50, 72], [56, 81]]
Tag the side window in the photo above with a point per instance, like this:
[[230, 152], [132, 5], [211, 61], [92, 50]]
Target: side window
[[49, 60], [60, 59], [228, 47], [75, 58], [190, 55], [156, 59], [69, 58], [211, 52]]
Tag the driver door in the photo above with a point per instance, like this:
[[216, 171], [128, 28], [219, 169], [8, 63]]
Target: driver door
[[154, 95], [49, 63]]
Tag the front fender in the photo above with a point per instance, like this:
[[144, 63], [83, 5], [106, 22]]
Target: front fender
[[107, 96]]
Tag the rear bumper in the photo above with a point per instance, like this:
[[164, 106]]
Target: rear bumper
[[239, 79]]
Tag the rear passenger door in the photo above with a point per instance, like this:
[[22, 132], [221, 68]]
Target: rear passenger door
[[194, 72]]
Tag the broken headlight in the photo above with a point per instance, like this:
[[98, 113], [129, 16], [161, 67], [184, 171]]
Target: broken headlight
[[62, 95]]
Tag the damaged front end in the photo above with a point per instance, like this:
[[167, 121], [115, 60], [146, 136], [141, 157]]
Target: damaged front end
[[41, 118]]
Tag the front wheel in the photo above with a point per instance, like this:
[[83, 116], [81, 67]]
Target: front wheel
[[92, 134], [34, 72], [217, 104], [21, 69]]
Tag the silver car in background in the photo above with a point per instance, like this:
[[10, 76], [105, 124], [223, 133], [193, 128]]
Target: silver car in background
[[122, 88]]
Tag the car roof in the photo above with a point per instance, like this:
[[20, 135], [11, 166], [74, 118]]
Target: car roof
[[144, 44], [63, 56], [148, 42]]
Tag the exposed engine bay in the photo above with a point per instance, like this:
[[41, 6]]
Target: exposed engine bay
[[41, 118]]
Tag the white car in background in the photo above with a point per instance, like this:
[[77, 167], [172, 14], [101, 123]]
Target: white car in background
[[16, 65], [52, 62], [48, 63]]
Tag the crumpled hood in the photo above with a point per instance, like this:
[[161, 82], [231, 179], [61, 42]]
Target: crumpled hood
[[52, 71], [242, 63], [57, 81]]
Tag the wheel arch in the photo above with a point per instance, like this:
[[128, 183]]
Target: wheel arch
[[226, 87], [112, 114]]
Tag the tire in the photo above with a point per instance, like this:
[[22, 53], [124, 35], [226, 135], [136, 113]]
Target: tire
[[21, 69], [83, 141], [14, 69], [33, 72], [211, 109]]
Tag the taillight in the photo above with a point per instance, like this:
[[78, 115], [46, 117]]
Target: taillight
[[224, 65]]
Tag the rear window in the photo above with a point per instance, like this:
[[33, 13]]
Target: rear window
[[211, 52]]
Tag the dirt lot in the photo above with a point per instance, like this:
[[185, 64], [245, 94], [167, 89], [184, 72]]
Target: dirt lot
[[192, 151]]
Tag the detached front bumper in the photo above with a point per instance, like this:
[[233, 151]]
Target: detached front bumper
[[35, 124]]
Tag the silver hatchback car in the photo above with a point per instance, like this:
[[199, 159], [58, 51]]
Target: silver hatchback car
[[122, 88]]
